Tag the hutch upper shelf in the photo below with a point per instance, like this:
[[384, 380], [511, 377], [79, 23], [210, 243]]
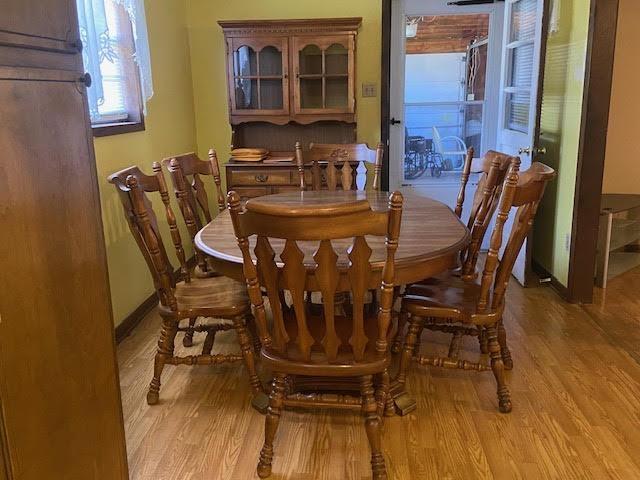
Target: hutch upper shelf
[[280, 71]]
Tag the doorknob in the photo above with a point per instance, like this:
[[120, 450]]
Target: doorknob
[[393, 121], [529, 150]]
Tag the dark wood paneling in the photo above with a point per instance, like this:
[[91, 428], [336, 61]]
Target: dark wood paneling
[[591, 155]]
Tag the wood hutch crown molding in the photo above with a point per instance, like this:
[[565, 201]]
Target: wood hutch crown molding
[[234, 28]]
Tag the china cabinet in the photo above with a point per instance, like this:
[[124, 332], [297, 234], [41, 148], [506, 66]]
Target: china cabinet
[[288, 81], [282, 71]]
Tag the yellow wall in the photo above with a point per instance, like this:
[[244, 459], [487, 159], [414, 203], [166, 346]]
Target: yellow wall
[[208, 58], [170, 129], [560, 125], [622, 165]]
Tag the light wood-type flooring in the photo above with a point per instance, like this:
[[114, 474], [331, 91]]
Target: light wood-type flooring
[[575, 389]]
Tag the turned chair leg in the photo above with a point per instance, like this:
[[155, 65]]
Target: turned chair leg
[[402, 322], [247, 353], [482, 339], [384, 399], [187, 341], [373, 427], [209, 340], [271, 421], [504, 349], [454, 346], [504, 397], [255, 338], [166, 345], [415, 326]]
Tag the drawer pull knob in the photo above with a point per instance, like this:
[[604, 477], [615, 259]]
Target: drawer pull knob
[[262, 178]]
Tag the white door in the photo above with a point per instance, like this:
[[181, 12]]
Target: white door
[[413, 104], [519, 113]]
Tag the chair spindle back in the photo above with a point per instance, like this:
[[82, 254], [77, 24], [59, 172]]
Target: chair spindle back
[[339, 172], [524, 191], [318, 270], [485, 202], [186, 171], [132, 186]]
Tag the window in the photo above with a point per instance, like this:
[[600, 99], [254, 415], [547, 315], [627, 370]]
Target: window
[[115, 54]]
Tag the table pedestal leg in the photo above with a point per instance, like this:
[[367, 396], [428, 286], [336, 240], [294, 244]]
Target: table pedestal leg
[[404, 402], [260, 402]]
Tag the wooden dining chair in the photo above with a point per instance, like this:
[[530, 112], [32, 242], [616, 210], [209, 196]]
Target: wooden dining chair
[[342, 164], [480, 303], [333, 344], [182, 296], [186, 173], [493, 169]]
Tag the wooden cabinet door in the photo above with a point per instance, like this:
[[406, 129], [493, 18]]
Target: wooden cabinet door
[[60, 410], [50, 24], [58, 373], [325, 74], [258, 75]]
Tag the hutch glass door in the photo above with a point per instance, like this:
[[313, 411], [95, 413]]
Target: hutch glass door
[[258, 68], [324, 74]]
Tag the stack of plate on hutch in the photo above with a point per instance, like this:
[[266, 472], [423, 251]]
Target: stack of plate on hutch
[[249, 154]]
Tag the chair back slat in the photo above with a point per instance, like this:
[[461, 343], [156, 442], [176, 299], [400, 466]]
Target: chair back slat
[[464, 179], [215, 171], [494, 168], [359, 275], [327, 277], [524, 192], [308, 262], [342, 164], [171, 219], [294, 276], [269, 277]]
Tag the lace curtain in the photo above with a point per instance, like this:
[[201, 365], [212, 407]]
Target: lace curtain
[[97, 46]]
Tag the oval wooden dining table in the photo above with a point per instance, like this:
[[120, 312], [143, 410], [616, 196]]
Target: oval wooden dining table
[[431, 237]]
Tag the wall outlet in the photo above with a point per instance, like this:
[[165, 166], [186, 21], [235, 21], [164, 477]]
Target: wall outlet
[[369, 90], [567, 242]]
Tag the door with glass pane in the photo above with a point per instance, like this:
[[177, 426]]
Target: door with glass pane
[[258, 70], [519, 127], [324, 69]]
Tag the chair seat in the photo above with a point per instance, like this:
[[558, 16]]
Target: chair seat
[[447, 297], [293, 362], [212, 296]]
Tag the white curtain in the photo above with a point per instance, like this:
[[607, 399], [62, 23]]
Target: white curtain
[[97, 46], [135, 9]]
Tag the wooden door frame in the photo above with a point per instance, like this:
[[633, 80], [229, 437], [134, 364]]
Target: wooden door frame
[[385, 90], [596, 102], [592, 145]]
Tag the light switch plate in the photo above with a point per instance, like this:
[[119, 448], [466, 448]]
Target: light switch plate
[[369, 90]]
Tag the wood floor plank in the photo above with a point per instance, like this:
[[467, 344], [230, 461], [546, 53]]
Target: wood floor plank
[[575, 389]]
